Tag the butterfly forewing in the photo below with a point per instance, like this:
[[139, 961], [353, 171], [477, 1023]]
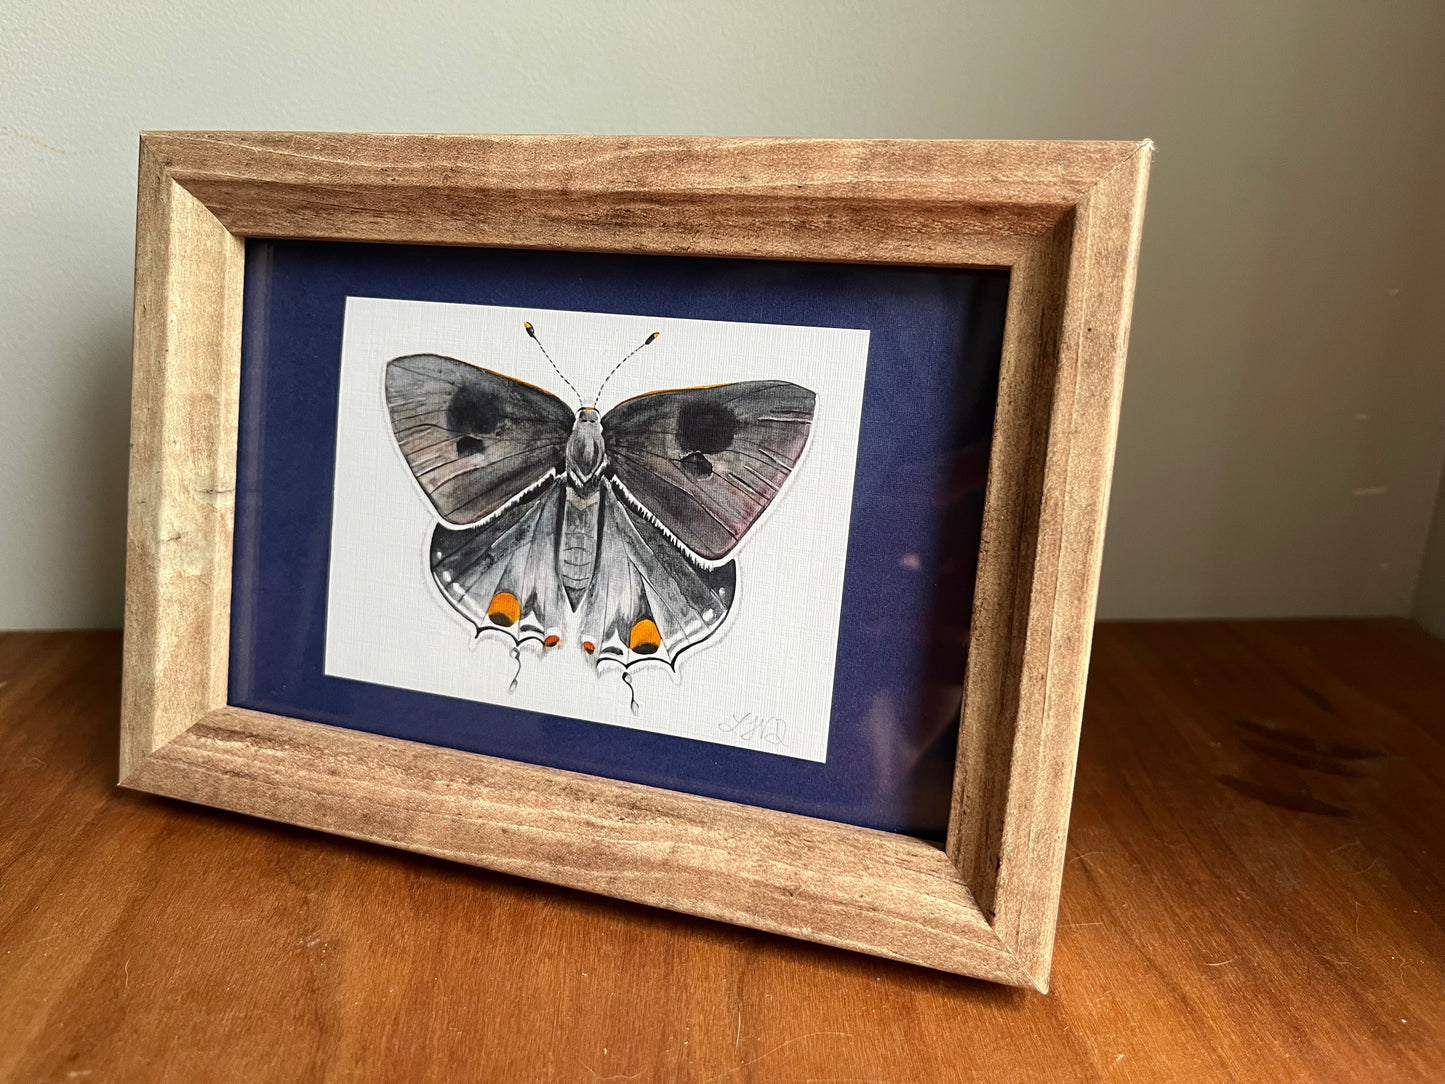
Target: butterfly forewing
[[707, 461], [473, 438]]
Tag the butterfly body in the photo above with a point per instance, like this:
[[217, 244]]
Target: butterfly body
[[581, 518], [615, 531]]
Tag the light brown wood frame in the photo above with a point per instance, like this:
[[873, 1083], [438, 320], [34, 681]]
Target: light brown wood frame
[[1065, 218]]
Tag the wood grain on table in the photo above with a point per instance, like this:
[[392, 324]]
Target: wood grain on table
[[1255, 890]]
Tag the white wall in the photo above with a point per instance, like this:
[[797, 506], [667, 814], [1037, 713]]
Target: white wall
[[1284, 422]]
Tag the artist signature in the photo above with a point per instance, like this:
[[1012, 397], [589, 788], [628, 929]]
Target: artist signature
[[754, 726]]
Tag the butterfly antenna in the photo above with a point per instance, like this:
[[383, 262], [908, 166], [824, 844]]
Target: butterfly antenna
[[533, 333], [645, 342]]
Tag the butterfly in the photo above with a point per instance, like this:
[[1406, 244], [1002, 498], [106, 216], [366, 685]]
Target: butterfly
[[619, 527]]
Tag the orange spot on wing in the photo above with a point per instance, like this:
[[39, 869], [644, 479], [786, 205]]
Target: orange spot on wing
[[504, 609], [645, 639], [588, 646], [552, 641]]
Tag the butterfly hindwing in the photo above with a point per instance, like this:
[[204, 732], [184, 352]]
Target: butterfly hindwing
[[648, 601], [707, 461], [473, 438], [502, 575]]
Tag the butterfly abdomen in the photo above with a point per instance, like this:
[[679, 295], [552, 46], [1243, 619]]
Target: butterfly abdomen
[[577, 549]]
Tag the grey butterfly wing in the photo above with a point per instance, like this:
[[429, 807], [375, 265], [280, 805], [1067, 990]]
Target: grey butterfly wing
[[648, 601], [473, 438], [502, 576], [707, 461]]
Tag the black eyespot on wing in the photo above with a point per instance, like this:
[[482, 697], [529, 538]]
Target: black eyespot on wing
[[474, 411], [474, 439], [706, 461], [706, 427], [696, 465]]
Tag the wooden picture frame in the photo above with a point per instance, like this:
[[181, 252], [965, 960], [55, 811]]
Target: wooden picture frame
[[1065, 218]]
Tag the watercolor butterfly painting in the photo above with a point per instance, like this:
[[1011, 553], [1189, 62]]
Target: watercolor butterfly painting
[[609, 533], [619, 518]]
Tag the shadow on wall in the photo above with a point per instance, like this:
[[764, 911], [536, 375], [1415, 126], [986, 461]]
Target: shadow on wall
[[94, 457], [1430, 594]]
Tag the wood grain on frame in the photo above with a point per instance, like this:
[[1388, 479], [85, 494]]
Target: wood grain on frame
[[185, 397], [1065, 217], [872, 201]]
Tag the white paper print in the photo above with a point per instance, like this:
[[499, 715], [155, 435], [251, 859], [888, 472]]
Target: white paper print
[[667, 555]]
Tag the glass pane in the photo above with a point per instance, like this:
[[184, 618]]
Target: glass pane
[[377, 519]]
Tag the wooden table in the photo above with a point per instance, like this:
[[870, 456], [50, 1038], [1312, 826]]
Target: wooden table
[[1255, 891]]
